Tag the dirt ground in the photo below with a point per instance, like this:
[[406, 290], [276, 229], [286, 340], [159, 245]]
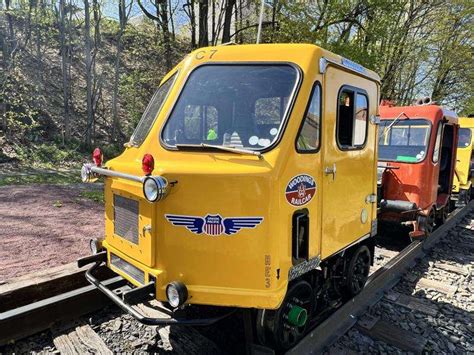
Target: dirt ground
[[42, 226]]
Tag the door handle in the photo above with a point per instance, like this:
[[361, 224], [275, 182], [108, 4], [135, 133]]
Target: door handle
[[331, 171]]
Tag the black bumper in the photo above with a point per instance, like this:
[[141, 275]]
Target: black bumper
[[125, 301]]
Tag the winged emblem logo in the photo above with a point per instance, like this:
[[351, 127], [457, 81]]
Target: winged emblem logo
[[214, 224]]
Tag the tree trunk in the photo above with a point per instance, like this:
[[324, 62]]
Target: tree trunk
[[228, 20], [171, 11], [116, 128], [88, 56], [39, 56], [64, 69], [192, 18], [203, 23], [213, 23], [164, 22], [3, 77]]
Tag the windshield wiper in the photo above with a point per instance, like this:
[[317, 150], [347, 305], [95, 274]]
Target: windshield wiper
[[387, 129], [231, 149]]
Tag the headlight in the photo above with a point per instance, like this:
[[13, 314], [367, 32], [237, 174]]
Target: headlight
[[176, 293], [87, 175], [155, 188]]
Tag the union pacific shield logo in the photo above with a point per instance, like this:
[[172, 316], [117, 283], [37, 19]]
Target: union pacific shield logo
[[300, 190], [213, 225]]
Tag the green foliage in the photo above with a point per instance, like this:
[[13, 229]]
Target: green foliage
[[24, 175], [49, 155], [20, 112], [111, 151]]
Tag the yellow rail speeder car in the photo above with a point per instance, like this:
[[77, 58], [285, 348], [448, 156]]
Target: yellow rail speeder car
[[463, 178], [249, 183]]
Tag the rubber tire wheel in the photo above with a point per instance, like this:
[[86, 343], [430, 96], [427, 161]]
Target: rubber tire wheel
[[357, 271], [270, 322]]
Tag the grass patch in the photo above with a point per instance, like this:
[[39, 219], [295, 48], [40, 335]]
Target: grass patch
[[97, 196], [26, 178]]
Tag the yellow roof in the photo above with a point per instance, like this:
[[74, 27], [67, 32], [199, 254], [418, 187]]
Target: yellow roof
[[304, 55], [466, 122]]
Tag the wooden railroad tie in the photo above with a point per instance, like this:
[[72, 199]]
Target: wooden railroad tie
[[412, 303], [81, 340], [437, 286], [382, 330], [452, 268]]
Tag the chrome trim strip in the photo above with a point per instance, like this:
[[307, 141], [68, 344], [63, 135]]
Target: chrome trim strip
[[112, 173], [324, 62]]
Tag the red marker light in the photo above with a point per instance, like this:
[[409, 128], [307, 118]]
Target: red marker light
[[97, 157], [148, 164]]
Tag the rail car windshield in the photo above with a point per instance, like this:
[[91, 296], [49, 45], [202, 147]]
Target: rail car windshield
[[238, 106], [464, 137], [151, 112], [404, 141]]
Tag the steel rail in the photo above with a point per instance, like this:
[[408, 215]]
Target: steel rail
[[32, 318], [329, 331]]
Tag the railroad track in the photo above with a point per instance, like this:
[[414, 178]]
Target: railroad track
[[34, 308], [380, 282]]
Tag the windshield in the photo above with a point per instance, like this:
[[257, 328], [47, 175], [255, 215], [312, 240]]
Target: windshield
[[464, 137], [151, 112], [242, 106], [406, 141]]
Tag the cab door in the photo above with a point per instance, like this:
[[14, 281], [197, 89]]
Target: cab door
[[349, 159]]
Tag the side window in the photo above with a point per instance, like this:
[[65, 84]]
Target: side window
[[360, 126], [200, 122], [437, 145], [309, 133], [352, 119]]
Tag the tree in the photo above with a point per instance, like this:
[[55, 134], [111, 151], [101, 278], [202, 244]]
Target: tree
[[188, 9], [203, 23], [65, 64], [89, 73], [229, 9], [162, 20], [124, 13], [453, 68]]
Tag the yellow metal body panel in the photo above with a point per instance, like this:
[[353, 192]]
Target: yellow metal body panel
[[248, 269], [345, 197], [462, 179]]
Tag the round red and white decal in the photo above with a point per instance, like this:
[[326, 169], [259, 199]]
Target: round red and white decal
[[300, 190]]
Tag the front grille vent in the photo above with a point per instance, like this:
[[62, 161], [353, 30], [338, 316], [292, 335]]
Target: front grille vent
[[132, 271], [126, 218]]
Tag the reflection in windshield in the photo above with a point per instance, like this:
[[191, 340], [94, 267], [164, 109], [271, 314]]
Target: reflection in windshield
[[232, 105], [464, 138], [151, 112], [405, 141]]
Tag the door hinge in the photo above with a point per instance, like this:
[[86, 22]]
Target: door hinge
[[375, 119], [372, 198]]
